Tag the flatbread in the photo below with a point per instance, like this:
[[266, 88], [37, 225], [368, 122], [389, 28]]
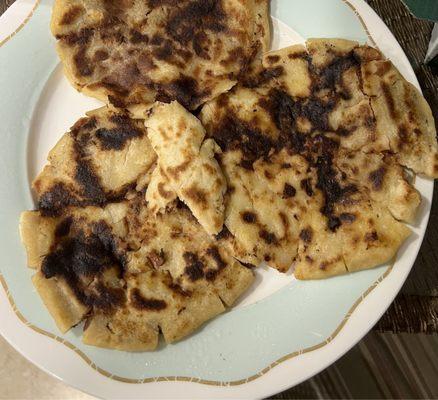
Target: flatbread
[[96, 271], [307, 138], [133, 52], [176, 280], [404, 116], [97, 161], [77, 259], [186, 166], [90, 245]]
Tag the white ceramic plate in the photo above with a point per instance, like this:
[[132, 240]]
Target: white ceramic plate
[[281, 333]]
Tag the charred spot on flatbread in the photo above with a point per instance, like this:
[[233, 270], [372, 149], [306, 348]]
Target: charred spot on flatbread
[[136, 52]]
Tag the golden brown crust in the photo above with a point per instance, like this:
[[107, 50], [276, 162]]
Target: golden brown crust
[[187, 166], [138, 51], [94, 269], [37, 235], [305, 139], [66, 310], [96, 162]]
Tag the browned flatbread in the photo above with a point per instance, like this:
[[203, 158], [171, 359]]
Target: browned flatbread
[[186, 166], [97, 161], [149, 227], [93, 270], [77, 257], [133, 52], [314, 178], [104, 257]]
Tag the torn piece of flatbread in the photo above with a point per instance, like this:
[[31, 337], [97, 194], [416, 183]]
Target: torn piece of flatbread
[[132, 53], [130, 274], [186, 165], [75, 256], [159, 193], [403, 116], [312, 103], [178, 279], [368, 236], [97, 161]]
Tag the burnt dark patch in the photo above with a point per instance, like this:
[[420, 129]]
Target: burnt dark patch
[[185, 89], [83, 258], [246, 164], [306, 235], [249, 217], [211, 274], [201, 44], [302, 55], [102, 231], [289, 191], [347, 217], [164, 51], [84, 124], [116, 101], [273, 59], [377, 177], [194, 266], [331, 76], [193, 17], [136, 37], [261, 78], [268, 237], [81, 38], [100, 55], [176, 288], [82, 62], [63, 227], [213, 252], [306, 185], [234, 134], [56, 199], [114, 86], [116, 138], [317, 111], [89, 182], [107, 298], [328, 184], [142, 303], [345, 132], [284, 112]]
